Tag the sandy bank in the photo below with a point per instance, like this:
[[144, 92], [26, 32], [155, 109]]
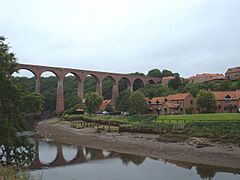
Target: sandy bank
[[216, 154]]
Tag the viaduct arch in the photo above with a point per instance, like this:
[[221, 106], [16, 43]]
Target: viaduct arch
[[60, 73]]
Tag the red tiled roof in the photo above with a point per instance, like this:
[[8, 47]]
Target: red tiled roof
[[234, 69], [238, 94], [104, 104], [220, 95], [159, 99], [172, 105], [168, 78], [206, 75], [180, 96]]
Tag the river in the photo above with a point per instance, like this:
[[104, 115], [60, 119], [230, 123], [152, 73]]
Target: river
[[56, 160]]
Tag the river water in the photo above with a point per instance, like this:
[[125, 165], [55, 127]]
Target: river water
[[54, 160]]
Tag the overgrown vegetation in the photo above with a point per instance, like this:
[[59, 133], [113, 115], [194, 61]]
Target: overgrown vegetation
[[218, 127], [9, 173]]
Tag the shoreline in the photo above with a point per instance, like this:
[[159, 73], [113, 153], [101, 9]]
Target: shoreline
[[147, 145]]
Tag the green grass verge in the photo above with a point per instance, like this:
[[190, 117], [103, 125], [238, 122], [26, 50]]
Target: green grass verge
[[200, 117], [166, 118]]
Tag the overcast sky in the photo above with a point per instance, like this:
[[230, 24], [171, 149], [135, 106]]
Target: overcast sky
[[185, 36]]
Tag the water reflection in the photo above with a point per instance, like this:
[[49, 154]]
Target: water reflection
[[85, 155], [46, 155]]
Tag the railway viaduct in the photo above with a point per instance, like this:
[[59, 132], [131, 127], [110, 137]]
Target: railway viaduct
[[60, 73]]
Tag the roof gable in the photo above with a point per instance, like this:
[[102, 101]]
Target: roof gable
[[180, 96], [225, 95]]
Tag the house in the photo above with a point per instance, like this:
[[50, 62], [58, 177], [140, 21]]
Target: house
[[104, 104], [233, 74], [165, 80], [227, 101], [205, 77], [173, 104]]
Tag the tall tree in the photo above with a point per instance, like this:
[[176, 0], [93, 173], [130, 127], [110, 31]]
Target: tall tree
[[166, 73], [175, 83], [154, 73], [206, 102], [137, 103], [92, 102], [122, 101], [14, 104]]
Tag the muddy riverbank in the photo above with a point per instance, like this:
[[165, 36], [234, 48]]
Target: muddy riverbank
[[194, 150]]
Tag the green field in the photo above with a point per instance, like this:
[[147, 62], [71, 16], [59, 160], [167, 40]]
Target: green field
[[168, 118], [102, 117], [200, 117]]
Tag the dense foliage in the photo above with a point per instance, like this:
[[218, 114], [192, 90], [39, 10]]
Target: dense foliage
[[92, 102], [122, 101], [206, 102], [137, 103], [15, 103]]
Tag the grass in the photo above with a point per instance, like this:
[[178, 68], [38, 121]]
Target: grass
[[165, 118], [10, 173], [200, 117], [102, 117], [77, 125]]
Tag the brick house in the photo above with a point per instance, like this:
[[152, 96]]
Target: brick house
[[172, 104], [165, 80], [205, 77], [233, 74], [104, 104], [227, 101]]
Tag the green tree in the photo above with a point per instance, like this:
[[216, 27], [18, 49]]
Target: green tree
[[154, 73], [175, 83], [122, 101], [137, 74], [109, 108], [92, 102], [166, 73], [14, 104], [137, 103], [206, 102]]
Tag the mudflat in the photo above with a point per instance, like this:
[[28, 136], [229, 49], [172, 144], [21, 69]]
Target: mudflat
[[194, 150]]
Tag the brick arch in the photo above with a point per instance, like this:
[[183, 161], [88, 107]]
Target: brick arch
[[52, 71], [28, 69], [150, 81], [129, 83], [79, 78], [111, 77], [98, 81], [80, 82], [143, 83], [114, 87]]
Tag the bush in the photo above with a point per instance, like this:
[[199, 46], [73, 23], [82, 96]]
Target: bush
[[188, 111]]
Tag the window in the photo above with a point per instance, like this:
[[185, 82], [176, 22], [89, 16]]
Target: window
[[228, 98], [191, 102], [219, 107]]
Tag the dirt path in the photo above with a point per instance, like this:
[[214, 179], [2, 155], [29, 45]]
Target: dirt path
[[216, 154]]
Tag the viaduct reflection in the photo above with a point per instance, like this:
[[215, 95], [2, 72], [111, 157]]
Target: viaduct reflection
[[84, 155]]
